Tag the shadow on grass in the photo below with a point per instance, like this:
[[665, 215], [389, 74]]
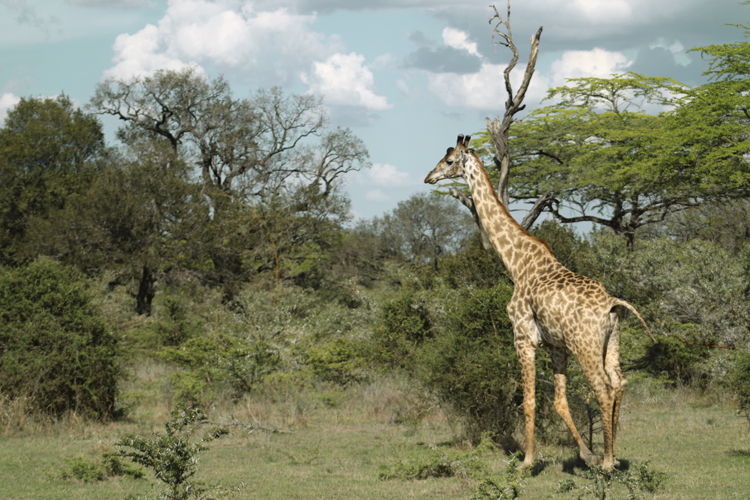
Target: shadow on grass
[[739, 453], [570, 465]]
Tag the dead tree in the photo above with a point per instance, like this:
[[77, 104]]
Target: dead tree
[[500, 129]]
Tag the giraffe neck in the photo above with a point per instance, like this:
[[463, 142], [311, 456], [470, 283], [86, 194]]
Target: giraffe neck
[[517, 248]]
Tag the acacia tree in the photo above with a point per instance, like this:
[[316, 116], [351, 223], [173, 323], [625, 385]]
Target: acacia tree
[[594, 152]]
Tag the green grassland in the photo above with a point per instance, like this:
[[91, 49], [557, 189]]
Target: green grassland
[[335, 442]]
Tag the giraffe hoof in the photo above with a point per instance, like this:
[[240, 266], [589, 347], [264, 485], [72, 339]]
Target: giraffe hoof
[[592, 459]]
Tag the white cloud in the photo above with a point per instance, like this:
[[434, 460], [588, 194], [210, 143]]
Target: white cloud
[[605, 11], [377, 195], [345, 80], [383, 175], [7, 101], [598, 63], [229, 34], [459, 40], [482, 90]]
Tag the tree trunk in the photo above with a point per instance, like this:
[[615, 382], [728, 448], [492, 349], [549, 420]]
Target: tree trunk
[[146, 292]]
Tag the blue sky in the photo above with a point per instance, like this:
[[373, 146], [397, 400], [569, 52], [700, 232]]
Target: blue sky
[[406, 75]]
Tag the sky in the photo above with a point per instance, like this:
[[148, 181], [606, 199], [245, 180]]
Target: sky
[[407, 76]]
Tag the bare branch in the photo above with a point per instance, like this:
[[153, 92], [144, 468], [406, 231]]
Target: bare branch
[[536, 210]]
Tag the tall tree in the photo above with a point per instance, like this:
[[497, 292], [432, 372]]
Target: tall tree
[[141, 218], [246, 149], [49, 153]]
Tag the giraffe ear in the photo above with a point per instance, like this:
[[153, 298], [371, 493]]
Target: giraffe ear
[[448, 151]]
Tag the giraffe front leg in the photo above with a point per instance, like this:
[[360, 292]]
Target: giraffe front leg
[[526, 355]]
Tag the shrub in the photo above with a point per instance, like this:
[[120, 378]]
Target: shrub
[[471, 364], [220, 358], [405, 324], [54, 346], [739, 382], [340, 361], [90, 470], [172, 456]]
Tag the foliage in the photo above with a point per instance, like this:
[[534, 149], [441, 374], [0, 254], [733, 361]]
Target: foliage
[[471, 363], [474, 267], [89, 470], [49, 153], [739, 381], [242, 362], [509, 486], [341, 361], [54, 346], [405, 324], [644, 479], [141, 217], [424, 228], [172, 457], [604, 159]]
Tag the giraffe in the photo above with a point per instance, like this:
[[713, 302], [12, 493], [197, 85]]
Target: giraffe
[[551, 307]]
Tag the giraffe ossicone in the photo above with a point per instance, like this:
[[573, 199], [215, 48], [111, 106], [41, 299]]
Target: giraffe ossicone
[[551, 307]]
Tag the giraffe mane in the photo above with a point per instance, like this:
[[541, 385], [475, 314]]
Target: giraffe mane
[[503, 207]]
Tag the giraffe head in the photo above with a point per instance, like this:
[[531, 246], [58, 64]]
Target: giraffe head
[[452, 164]]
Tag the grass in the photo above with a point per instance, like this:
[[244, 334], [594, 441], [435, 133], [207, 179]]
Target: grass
[[341, 440]]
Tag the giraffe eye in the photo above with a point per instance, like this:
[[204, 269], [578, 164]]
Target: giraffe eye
[[449, 162]]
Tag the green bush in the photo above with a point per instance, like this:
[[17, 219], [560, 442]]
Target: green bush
[[54, 346], [739, 382], [680, 362], [405, 324], [342, 360], [471, 364]]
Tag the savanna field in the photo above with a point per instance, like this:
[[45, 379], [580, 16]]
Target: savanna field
[[194, 313]]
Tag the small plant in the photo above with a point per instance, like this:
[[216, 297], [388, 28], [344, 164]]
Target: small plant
[[509, 486], [89, 470], [603, 481], [440, 463], [172, 457]]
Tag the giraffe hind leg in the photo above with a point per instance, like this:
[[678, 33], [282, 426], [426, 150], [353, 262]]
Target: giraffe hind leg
[[559, 358], [612, 367]]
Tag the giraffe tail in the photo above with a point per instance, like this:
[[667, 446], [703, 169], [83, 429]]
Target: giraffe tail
[[653, 353]]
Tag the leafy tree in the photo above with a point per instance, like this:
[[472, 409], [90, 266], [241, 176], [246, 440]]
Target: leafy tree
[[49, 153], [616, 166], [244, 148], [141, 217], [270, 167], [425, 227], [54, 346]]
